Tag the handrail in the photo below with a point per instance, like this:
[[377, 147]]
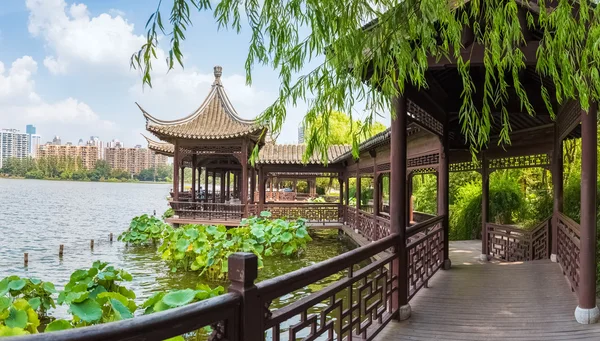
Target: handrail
[[572, 223], [275, 287], [157, 326], [412, 230]]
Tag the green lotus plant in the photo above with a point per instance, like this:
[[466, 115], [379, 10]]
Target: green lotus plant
[[96, 296], [36, 292], [18, 317], [279, 236], [168, 213], [144, 229], [176, 298]]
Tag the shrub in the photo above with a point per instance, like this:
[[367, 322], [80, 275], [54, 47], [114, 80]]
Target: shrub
[[144, 229]]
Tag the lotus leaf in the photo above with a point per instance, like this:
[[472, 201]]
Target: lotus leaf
[[179, 297], [8, 331], [17, 284], [57, 325], [120, 310], [16, 318], [88, 310]]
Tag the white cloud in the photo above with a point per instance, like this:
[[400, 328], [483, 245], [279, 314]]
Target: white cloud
[[16, 83], [75, 37], [20, 104]]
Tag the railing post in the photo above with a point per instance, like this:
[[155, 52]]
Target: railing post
[[242, 272]]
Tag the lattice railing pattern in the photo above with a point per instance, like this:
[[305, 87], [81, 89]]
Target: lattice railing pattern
[[207, 211], [355, 307], [538, 160], [424, 160], [424, 119], [366, 170], [350, 216], [425, 249], [569, 243], [465, 166], [383, 167], [317, 212], [428, 170], [514, 244]]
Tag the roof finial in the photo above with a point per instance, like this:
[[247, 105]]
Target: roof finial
[[218, 72]]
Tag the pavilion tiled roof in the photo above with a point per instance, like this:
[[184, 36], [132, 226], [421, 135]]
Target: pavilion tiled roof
[[292, 154], [216, 118], [160, 147]]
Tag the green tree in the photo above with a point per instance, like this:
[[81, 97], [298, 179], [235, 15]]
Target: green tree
[[102, 169]]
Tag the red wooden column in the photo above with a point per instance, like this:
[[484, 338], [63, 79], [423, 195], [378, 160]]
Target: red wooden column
[[341, 182], [205, 184], [252, 184], [222, 191], [357, 194], [485, 191], [398, 148], [261, 190], [214, 186], [409, 192], [587, 312], [182, 180], [557, 183], [347, 203], [176, 157], [376, 188], [193, 178], [443, 201], [227, 184], [244, 180]]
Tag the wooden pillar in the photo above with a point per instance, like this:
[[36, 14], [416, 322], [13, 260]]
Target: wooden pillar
[[341, 182], [176, 157], [398, 146], [376, 192], [222, 190], [244, 179], [252, 184], [557, 184], [193, 178], [443, 182], [227, 184], [485, 205], [347, 191], [182, 180], [272, 189], [214, 186], [261, 189], [409, 190], [205, 184], [587, 311], [358, 190]]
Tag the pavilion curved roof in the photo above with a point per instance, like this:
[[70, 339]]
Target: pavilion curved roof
[[160, 147], [215, 119], [292, 154]]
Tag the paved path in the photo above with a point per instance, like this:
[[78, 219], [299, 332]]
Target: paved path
[[492, 301]]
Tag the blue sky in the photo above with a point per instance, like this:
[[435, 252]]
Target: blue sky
[[64, 67]]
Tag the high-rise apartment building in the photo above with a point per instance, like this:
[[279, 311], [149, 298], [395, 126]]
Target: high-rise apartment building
[[35, 141], [87, 154], [95, 141], [56, 140], [13, 144], [33, 145], [133, 160]]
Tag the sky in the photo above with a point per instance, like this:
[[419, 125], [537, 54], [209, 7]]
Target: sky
[[64, 67]]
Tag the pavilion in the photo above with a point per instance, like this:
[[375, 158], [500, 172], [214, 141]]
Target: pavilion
[[425, 138]]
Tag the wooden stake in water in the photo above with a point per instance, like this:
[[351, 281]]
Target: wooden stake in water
[[26, 258], [91, 244], [110, 237], [60, 250]]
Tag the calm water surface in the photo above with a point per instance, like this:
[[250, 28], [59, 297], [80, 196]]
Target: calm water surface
[[37, 216]]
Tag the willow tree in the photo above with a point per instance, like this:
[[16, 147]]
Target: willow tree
[[374, 49]]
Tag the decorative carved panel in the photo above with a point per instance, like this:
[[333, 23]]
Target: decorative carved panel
[[424, 119], [424, 160], [539, 160], [465, 166]]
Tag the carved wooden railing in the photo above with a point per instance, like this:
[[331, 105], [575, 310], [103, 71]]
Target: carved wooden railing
[[350, 216], [425, 249], [569, 243], [513, 244], [207, 211], [222, 313], [312, 212], [356, 307], [419, 217]]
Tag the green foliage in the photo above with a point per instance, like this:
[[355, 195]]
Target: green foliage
[[425, 193], [168, 213], [207, 248], [144, 229], [97, 296], [36, 292], [17, 317], [176, 298], [316, 200]]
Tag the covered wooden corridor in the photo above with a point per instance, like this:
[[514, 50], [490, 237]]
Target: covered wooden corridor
[[493, 300]]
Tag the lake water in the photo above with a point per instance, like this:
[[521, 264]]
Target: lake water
[[37, 216]]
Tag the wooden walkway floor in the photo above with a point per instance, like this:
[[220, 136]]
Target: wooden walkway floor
[[492, 301]]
